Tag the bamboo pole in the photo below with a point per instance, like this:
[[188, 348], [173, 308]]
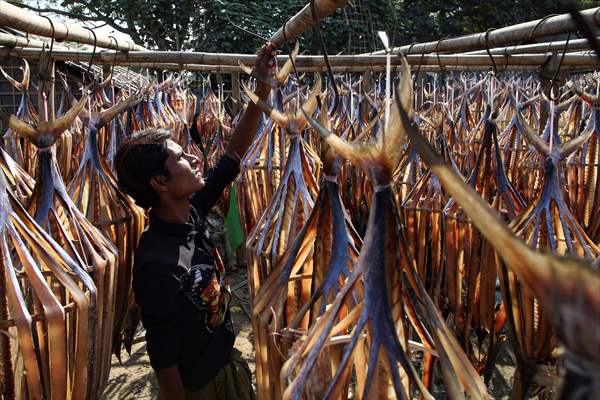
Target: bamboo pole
[[10, 40], [26, 21], [573, 45], [358, 69], [519, 33], [304, 20], [583, 59], [230, 69]]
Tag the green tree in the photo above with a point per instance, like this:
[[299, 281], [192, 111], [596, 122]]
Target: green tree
[[205, 25]]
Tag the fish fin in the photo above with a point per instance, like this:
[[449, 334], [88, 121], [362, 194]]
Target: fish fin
[[532, 137], [394, 136], [22, 128], [351, 151], [310, 105], [245, 69], [285, 70], [59, 125], [280, 118], [572, 145]]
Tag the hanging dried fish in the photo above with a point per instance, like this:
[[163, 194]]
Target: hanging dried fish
[[307, 278], [389, 276], [260, 172], [281, 221], [566, 287], [54, 210], [95, 192], [470, 271], [47, 303], [583, 176], [546, 224], [294, 198], [69, 145], [19, 149], [514, 147]]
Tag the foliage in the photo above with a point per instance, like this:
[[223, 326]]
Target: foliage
[[204, 25]]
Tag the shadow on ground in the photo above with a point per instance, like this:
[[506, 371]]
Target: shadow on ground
[[134, 379]]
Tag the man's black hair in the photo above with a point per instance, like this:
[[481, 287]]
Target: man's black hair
[[140, 158]]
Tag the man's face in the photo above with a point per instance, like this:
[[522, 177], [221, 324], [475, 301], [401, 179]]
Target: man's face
[[185, 175]]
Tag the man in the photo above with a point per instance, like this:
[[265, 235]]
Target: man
[[178, 279]]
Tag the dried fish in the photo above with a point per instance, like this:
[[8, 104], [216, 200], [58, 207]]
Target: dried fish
[[389, 276]]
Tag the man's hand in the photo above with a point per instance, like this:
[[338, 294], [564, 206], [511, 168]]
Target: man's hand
[[264, 68], [264, 71]]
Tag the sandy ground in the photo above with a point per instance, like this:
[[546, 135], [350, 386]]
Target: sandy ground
[[134, 379]]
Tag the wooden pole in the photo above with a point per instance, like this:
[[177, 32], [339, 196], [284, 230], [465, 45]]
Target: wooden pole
[[26, 21], [583, 59], [547, 47], [519, 33], [304, 20]]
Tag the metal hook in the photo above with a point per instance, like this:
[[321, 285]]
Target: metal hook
[[93, 51], [418, 71], [410, 47], [540, 23], [53, 33], [112, 67], [289, 55], [489, 53], [553, 80], [49, 61], [437, 53]]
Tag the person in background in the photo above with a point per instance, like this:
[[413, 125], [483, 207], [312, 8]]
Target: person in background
[[179, 279]]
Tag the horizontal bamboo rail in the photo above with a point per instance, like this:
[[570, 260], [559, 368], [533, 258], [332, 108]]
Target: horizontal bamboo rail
[[519, 33], [582, 59], [546, 47], [304, 20], [26, 21], [340, 69], [10, 40]]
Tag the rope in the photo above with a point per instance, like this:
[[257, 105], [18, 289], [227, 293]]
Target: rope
[[317, 28], [240, 27]]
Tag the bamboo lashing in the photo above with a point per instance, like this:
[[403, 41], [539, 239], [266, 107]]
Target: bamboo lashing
[[26, 21], [304, 20], [518, 33]]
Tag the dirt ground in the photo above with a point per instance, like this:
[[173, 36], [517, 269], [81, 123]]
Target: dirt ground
[[135, 380]]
